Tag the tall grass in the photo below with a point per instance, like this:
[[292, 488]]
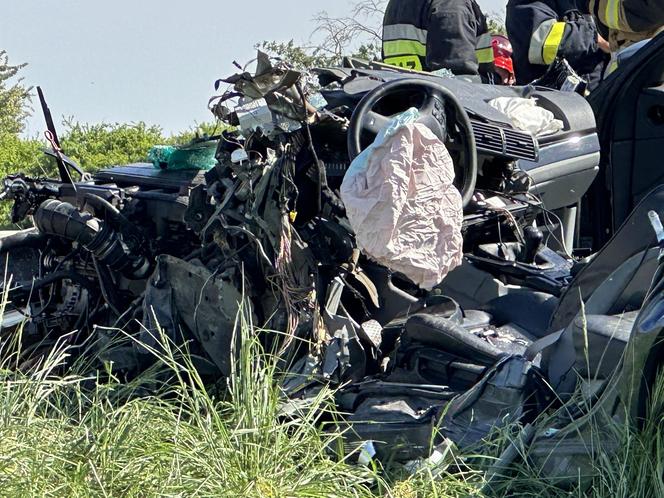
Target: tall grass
[[168, 434], [626, 461], [91, 435], [80, 435]]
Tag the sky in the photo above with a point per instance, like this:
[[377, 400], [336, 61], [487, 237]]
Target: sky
[[146, 60]]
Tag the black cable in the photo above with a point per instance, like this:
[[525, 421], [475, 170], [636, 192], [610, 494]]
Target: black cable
[[51, 279], [102, 287], [321, 184]]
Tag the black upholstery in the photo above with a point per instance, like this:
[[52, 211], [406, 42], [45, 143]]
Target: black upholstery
[[445, 335], [529, 310], [606, 338]]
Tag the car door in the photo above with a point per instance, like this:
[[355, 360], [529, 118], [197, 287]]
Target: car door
[[629, 108]]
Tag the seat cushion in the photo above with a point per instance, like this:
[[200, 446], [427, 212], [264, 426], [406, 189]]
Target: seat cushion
[[529, 310]]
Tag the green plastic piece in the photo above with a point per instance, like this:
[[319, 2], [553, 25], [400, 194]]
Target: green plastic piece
[[196, 156]]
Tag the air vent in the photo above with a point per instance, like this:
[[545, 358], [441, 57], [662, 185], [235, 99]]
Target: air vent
[[507, 142]]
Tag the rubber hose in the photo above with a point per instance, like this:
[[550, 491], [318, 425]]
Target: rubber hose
[[61, 219], [24, 239]]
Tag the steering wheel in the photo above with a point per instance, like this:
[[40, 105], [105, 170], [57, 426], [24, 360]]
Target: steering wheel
[[440, 110]]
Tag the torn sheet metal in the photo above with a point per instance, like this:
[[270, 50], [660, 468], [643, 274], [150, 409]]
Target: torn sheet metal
[[277, 85], [257, 116], [205, 302]]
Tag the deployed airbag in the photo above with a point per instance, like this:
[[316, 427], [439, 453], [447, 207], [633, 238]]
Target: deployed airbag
[[402, 204], [526, 115]]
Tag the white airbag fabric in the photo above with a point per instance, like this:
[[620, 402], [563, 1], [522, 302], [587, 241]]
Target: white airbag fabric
[[526, 115], [402, 205]]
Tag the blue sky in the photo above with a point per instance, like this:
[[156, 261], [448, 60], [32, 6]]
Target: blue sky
[[146, 60]]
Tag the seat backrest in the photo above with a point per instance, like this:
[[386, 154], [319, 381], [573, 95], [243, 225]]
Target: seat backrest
[[576, 351], [634, 237], [624, 266]]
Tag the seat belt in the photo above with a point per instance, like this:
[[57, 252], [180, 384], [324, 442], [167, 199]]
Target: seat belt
[[540, 345]]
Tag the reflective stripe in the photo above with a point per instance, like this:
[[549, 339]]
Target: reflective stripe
[[612, 13], [404, 32], [484, 49], [552, 42], [406, 61], [537, 41], [403, 47], [545, 42], [612, 67], [484, 55]]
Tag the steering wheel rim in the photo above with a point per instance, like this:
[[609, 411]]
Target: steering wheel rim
[[364, 118]]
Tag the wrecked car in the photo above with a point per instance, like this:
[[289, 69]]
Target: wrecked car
[[553, 289]]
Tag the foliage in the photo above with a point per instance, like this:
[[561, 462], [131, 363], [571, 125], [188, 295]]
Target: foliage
[[93, 146], [25, 155], [355, 35], [14, 97], [300, 57], [20, 155], [297, 56], [198, 131], [104, 144], [496, 24]]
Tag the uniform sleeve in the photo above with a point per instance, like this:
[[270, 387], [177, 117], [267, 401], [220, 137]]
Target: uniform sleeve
[[630, 15], [452, 37], [579, 42], [569, 35]]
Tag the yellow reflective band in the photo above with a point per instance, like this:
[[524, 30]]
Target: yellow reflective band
[[405, 61], [404, 47], [612, 67], [484, 55], [552, 42], [612, 13]]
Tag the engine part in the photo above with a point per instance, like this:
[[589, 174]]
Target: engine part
[[62, 219], [22, 240]]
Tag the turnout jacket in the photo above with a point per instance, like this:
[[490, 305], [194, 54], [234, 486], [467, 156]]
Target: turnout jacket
[[628, 21], [542, 30], [427, 35]]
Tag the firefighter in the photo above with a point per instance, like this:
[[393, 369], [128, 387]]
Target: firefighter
[[627, 22], [427, 35], [542, 30]]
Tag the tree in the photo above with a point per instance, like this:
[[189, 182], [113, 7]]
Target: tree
[[298, 56], [358, 34], [14, 97], [496, 24]]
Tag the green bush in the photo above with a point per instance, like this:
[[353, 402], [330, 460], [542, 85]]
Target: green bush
[[92, 146], [22, 155], [95, 146]]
